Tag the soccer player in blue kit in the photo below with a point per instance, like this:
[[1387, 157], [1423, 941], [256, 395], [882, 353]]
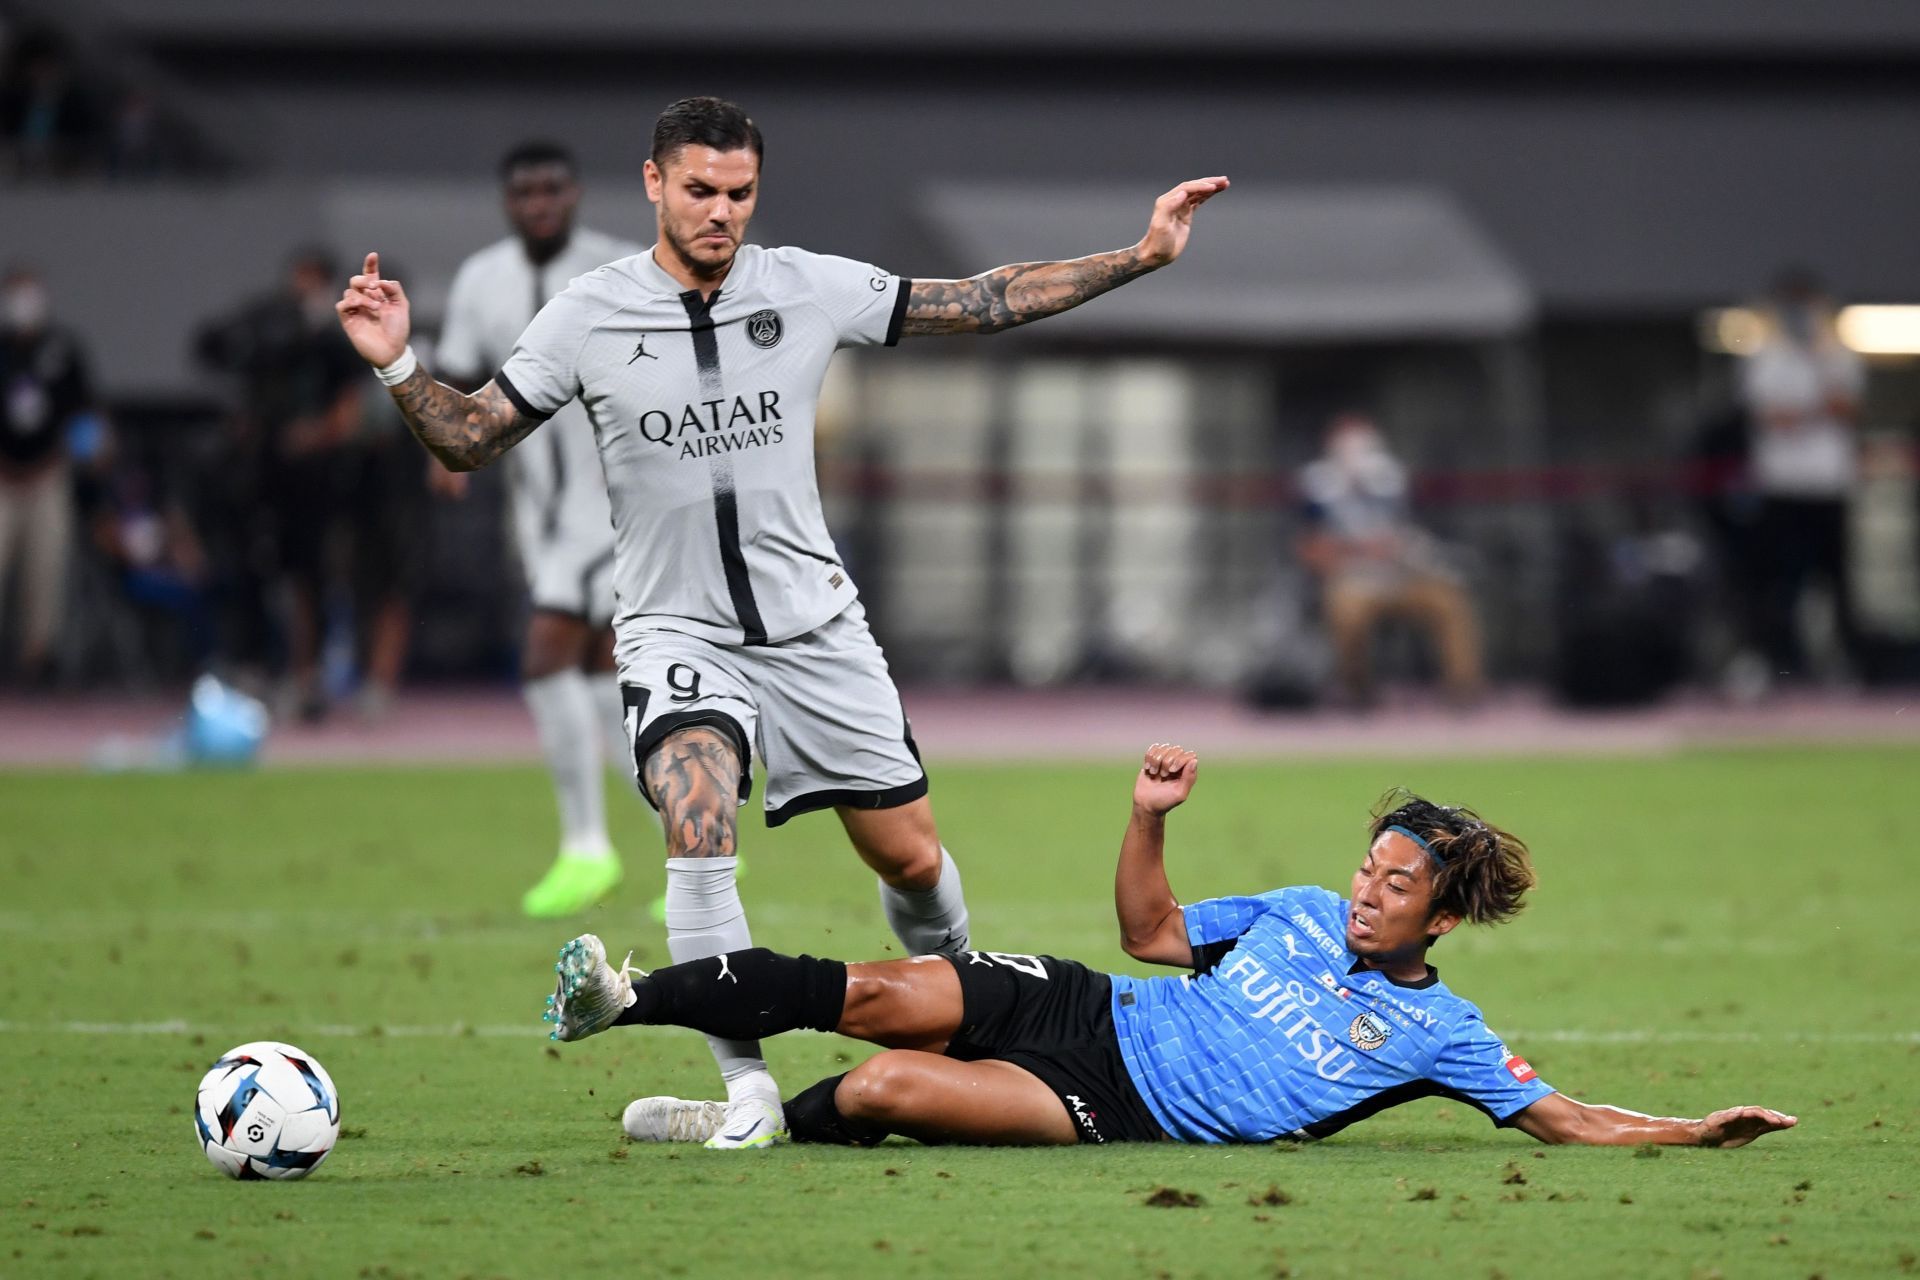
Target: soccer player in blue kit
[[1303, 1012]]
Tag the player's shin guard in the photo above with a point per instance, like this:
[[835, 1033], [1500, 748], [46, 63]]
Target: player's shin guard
[[929, 921], [814, 1116], [705, 918], [743, 995]]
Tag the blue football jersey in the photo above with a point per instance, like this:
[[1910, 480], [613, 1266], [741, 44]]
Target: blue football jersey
[[1284, 1037]]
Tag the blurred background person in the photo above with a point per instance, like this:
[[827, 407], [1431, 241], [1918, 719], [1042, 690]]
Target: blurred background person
[[1375, 564], [43, 378], [292, 457], [386, 510], [562, 521], [50, 123], [1801, 389]]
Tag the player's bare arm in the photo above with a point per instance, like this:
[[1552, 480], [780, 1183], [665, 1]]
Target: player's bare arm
[[465, 432], [1559, 1119], [1028, 291], [1152, 926], [694, 777]]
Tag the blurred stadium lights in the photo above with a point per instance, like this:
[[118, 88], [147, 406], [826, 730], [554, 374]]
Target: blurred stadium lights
[[1732, 331], [1880, 330], [1871, 330]]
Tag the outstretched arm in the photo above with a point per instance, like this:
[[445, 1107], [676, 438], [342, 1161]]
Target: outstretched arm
[[1557, 1118], [1152, 926], [465, 432], [1026, 291]]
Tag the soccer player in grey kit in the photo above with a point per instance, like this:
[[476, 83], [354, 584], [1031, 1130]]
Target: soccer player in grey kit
[[562, 527], [699, 363]]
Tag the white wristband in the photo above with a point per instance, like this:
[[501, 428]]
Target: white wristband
[[400, 370]]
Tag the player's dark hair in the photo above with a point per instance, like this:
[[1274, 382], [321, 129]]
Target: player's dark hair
[[537, 151], [1480, 871], [704, 122]]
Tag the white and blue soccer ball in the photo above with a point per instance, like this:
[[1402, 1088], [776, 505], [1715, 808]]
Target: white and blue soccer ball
[[267, 1110]]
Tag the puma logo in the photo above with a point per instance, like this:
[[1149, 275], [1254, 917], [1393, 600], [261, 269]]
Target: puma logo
[[726, 973], [1293, 948]]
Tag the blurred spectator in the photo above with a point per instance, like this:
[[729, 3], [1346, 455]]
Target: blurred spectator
[[43, 377], [387, 506], [1374, 563], [291, 455], [137, 531], [1801, 389], [49, 122]]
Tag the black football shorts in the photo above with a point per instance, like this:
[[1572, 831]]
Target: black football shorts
[[1053, 1018]]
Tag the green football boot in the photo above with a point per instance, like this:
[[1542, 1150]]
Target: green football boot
[[572, 884]]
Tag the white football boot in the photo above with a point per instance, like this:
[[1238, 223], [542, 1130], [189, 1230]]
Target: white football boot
[[748, 1124], [664, 1119], [590, 993]]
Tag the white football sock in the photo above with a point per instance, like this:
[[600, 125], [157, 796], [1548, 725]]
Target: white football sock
[[612, 711], [705, 918], [564, 713], [929, 921]]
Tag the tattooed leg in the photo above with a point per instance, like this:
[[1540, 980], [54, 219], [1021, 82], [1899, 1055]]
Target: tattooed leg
[[694, 779]]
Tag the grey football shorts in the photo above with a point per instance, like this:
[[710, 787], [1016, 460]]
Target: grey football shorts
[[819, 710], [567, 559], [572, 580]]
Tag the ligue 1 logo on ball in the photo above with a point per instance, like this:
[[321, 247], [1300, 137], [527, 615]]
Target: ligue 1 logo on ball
[[763, 328]]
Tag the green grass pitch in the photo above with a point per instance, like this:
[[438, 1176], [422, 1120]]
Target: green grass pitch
[[1711, 929]]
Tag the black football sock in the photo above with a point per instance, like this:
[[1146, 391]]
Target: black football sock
[[813, 1116], [742, 995]]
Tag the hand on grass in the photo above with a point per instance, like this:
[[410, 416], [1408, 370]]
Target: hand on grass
[[1737, 1126]]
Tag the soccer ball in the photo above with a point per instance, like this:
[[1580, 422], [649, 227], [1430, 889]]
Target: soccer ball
[[266, 1110]]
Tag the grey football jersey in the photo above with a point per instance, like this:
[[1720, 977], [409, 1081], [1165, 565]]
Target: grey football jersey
[[559, 497], [704, 411]]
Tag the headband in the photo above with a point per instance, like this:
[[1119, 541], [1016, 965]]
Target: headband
[[1422, 842]]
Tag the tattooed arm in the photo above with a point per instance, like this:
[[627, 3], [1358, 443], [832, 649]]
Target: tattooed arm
[[1013, 295], [1007, 296], [464, 431], [693, 777]]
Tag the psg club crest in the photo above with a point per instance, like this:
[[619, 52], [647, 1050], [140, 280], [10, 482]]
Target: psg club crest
[[763, 328], [1367, 1032]]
